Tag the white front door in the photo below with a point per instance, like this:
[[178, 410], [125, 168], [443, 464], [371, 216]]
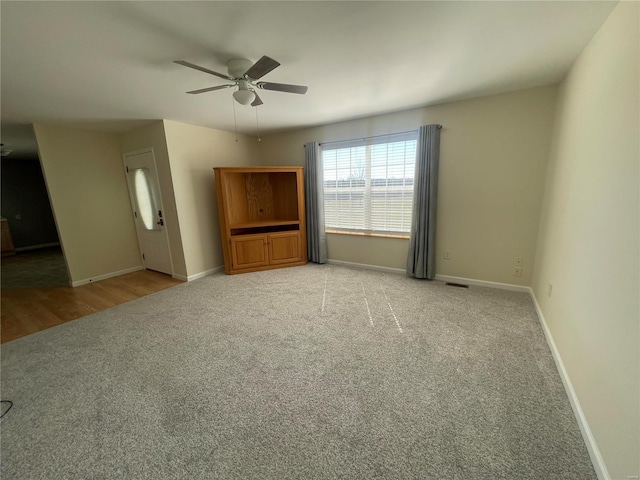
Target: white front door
[[148, 212]]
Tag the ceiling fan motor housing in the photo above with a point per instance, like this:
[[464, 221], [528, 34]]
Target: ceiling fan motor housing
[[237, 67]]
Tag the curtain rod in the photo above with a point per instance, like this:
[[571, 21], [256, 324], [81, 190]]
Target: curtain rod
[[375, 136]]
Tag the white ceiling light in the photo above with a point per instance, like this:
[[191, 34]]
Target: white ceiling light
[[244, 97]]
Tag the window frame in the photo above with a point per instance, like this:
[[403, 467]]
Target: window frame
[[366, 184]]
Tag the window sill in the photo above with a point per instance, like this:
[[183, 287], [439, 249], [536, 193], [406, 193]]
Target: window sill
[[369, 234]]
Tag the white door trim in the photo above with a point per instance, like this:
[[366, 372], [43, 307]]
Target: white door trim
[[132, 201]]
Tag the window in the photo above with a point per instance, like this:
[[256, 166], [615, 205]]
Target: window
[[144, 199], [368, 184]]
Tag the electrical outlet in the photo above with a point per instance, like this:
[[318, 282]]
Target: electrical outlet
[[18, 216], [518, 262], [517, 272], [549, 290], [447, 254]]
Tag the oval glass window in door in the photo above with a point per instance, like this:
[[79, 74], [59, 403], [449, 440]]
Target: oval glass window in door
[[144, 199]]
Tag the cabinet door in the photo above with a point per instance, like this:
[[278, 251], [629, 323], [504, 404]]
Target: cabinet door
[[284, 247], [249, 251]]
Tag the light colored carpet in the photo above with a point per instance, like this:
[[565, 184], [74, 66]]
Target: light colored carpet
[[271, 375]]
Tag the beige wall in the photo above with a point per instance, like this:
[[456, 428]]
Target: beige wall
[[193, 152], [493, 159], [388, 252], [153, 136], [588, 247], [89, 197]]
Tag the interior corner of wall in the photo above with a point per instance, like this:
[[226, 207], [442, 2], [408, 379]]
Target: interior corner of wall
[[166, 123]]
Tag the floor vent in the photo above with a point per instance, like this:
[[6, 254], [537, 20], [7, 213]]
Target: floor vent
[[451, 284]]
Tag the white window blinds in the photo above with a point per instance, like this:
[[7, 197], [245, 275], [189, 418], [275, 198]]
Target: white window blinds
[[368, 183]]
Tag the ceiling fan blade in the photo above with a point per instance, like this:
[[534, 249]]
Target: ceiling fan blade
[[202, 69], [283, 87], [211, 89], [261, 67], [257, 101]]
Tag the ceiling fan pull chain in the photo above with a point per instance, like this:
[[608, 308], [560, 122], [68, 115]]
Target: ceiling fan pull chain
[[257, 126], [235, 123]]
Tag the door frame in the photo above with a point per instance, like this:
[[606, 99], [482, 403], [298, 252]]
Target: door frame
[[132, 202]]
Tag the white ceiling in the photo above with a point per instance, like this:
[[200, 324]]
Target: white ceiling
[[108, 65]]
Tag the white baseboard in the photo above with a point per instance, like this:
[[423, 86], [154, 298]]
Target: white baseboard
[[366, 266], [482, 283], [589, 440], [196, 276], [36, 247], [443, 278], [77, 283]]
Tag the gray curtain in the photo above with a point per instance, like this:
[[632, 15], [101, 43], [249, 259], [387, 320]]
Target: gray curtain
[[421, 261], [314, 203]]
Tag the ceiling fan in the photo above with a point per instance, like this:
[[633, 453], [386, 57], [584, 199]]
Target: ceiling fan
[[244, 75]]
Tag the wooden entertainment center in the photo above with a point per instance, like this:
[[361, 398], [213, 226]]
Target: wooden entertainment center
[[262, 217]]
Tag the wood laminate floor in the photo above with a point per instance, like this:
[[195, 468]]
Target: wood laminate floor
[[29, 310]]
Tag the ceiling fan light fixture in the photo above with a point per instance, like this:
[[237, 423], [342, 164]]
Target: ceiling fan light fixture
[[244, 97]]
